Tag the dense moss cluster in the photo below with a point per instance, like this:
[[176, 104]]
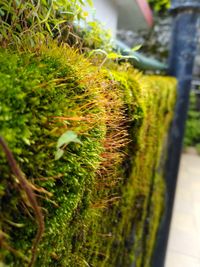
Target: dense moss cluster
[[102, 200]]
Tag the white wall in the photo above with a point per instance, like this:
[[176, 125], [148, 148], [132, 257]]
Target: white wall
[[118, 14], [106, 12], [130, 16]]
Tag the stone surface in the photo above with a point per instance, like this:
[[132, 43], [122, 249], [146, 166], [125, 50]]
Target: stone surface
[[184, 240]]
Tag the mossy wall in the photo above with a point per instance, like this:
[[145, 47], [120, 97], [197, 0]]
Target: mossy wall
[[102, 200]]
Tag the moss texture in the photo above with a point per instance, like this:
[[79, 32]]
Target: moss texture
[[102, 200]]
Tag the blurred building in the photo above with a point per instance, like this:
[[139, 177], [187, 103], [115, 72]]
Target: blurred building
[[129, 15]]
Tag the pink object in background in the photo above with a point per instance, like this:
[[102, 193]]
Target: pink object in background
[[146, 10]]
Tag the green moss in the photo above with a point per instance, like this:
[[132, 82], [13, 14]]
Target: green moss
[[34, 91], [105, 197]]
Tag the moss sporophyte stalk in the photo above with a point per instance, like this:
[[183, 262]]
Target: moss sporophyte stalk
[[102, 199]]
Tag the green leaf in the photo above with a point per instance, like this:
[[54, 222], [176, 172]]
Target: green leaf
[[90, 2], [136, 48], [26, 141], [67, 138], [59, 154], [2, 13], [48, 28]]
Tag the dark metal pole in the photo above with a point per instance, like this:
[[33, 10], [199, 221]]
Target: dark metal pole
[[183, 48]]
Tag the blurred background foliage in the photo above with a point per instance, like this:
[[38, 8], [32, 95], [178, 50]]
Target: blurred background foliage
[[159, 5], [155, 40], [32, 22], [192, 133]]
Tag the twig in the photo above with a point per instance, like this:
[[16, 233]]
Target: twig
[[30, 195]]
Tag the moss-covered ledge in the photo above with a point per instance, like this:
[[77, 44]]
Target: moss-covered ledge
[[102, 200]]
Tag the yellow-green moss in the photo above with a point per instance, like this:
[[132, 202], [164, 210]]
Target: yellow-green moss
[[107, 194]]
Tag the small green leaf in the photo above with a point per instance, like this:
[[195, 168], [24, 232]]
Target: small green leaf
[[26, 141], [136, 48], [67, 138], [59, 154], [90, 2], [48, 28], [2, 13]]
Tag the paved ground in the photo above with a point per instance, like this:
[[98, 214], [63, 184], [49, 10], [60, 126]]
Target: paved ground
[[184, 241]]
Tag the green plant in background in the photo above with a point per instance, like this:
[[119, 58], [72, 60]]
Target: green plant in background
[[192, 132], [31, 23], [37, 20], [95, 37], [160, 5]]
